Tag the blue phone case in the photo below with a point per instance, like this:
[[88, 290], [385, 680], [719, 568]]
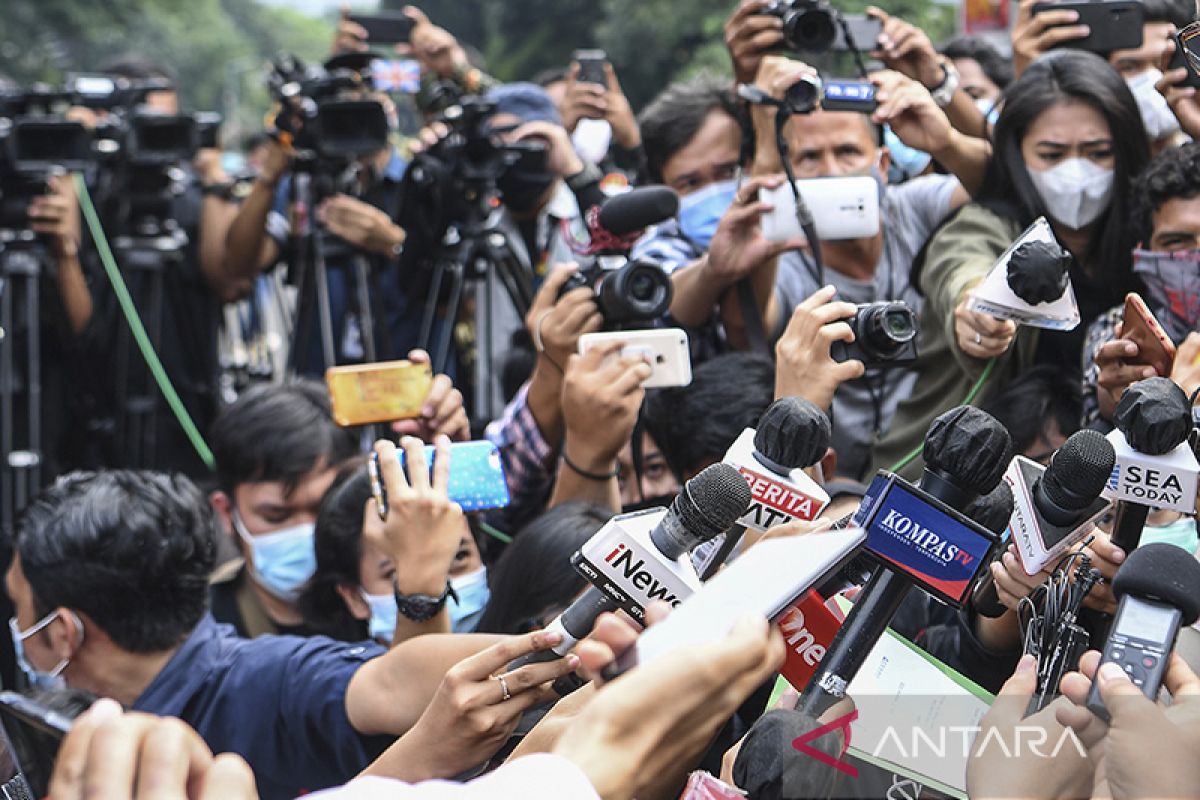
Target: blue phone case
[[476, 475]]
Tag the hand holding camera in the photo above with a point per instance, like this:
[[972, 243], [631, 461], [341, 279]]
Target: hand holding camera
[[907, 49], [748, 34], [805, 366], [55, 215], [602, 393], [361, 224]]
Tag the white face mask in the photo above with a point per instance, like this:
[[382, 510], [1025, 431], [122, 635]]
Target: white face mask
[[1075, 192], [1156, 115], [591, 139]]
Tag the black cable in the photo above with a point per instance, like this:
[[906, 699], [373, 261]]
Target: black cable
[[803, 213]]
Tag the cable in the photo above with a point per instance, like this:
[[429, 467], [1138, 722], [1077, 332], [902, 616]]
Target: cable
[[136, 327], [970, 398]]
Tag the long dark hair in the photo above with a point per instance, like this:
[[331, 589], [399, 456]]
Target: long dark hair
[[534, 579], [1007, 189], [337, 541]]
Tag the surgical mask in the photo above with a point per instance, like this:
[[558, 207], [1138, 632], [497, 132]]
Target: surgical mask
[[37, 679], [989, 108], [473, 594], [700, 212], [591, 139], [1075, 192], [1181, 532], [283, 560], [1172, 283], [907, 162], [383, 615], [1156, 114]]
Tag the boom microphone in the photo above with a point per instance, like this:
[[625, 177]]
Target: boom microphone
[[920, 535], [1159, 589], [638, 209], [628, 570]]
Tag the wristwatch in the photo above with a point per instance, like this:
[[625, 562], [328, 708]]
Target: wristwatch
[[943, 93], [421, 607], [585, 177]]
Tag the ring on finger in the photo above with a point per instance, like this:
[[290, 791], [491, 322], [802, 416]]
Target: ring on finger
[[503, 688], [978, 338]]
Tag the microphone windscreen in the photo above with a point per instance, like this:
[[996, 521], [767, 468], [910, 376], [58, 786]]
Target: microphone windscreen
[[792, 433], [1155, 416], [1164, 572], [1037, 272], [638, 209], [994, 509], [1079, 471], [970, 447], [712, 501], [768, 766]]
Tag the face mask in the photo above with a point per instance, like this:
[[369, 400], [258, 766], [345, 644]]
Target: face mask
[[473, 594], [44, 681], [1156, 115], [1181, 532], [990, 109], [1173, 288], [523, 185], [382, 624], [906, 161], [1075, 192], [700, 212], [592, 138], [283, 560]]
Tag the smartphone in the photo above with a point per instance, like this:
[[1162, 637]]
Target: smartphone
[[1187, 54], [665, 350], [477, 481], [764, 582], [396, 75], [208, 129], [29, 742], [362, 394], [842, 208], [1155, 348], [1114, 24], [591, 66], [385, 28], [864, 32]]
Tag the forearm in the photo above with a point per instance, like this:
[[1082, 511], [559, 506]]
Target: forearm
[[1000, 634], [695, 293], [965, 116], [247, 238], [966, 157], [545, 401], [74, 292], [216, 217], [766, 143], [762, 282], [388, 694], [572, 486]]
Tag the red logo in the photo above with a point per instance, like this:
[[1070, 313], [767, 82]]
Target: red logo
[[800, 743]]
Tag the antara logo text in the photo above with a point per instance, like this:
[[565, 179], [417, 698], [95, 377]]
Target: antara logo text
[[929, 542], [638, 576]]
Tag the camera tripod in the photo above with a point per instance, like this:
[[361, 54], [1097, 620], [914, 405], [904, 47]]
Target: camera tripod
[[484, 254], [22, 261]]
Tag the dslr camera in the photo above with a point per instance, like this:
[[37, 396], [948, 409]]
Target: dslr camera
[[885, 335], [634, 293], [809, 26]]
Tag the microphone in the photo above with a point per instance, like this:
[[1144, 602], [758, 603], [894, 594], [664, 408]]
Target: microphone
[[994, 509], [637, 209], [1154, 464], [1159, 591], [769, 767], [1054, 507], [639, 557], [919, 534], [792, 434], [1037, 271]]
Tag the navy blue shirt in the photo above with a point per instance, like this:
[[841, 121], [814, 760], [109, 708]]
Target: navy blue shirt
[[278, 701]]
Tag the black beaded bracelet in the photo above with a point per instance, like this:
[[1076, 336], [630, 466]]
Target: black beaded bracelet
[[592, 476]]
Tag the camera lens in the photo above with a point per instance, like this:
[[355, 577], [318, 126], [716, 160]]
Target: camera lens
[[804, 95], [636, 291], [810, 28], [885, 328]]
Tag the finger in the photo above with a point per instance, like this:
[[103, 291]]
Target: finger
[[1180, 680], [533, 675], [497, 657], [1103, 550], [172, 758], [1114, 351], [1087, 726], [1120, 696], [833, 312], [597, 355], [1013, 698], [390, 470], [1089, 662], [416, 467], [112, 758], [1056, 36], [438, 390], [228, 777], [818, 298], [988, 325], [66, 783], [449, 407], [749, 9], [610, 637]]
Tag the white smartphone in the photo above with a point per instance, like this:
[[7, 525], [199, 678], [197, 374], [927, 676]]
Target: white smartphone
[[842, 208], [764, 581], [665, 350]]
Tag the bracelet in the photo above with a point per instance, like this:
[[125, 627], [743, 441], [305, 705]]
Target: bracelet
[[592, 476]]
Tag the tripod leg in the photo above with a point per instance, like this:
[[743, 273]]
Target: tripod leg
[[321, 278], [305, 301], [8, 390], [366, 319], [430, 311], [34, 393], [441, 360]]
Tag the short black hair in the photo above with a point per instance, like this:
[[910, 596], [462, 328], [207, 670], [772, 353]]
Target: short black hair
[[674, 117], [133, 550], [1036, 398], [694, 425], [548, 76], [1173, 173], [1179, 12], [278, 432], [996, 67], [138, 68], [337, 540], [529, 584]]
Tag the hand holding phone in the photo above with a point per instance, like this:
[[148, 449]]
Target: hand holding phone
[[664, 349], [362, 394], [476, 476], [385, 28], [1112, 24], [1155, 348], [591, 66]]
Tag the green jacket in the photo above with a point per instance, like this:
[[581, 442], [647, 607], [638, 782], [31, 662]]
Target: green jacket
[[958, 256]]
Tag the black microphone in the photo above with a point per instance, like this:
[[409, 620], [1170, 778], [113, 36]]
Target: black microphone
[[966, 452], [769, 767], [1038, 271], [1159, 589], [1063, 498], [1155, 417], [638, 209], [791, 434], [992, 510], [709, 503]]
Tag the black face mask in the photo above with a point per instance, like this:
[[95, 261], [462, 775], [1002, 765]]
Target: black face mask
[[525, 182], [661, 501]]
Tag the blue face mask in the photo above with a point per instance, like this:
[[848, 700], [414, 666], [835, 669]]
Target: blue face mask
[[1181, 532], [990, 109], [283, 560], [37, 679], [700, 212], [473, 594], [906, 161], [382, 624]]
